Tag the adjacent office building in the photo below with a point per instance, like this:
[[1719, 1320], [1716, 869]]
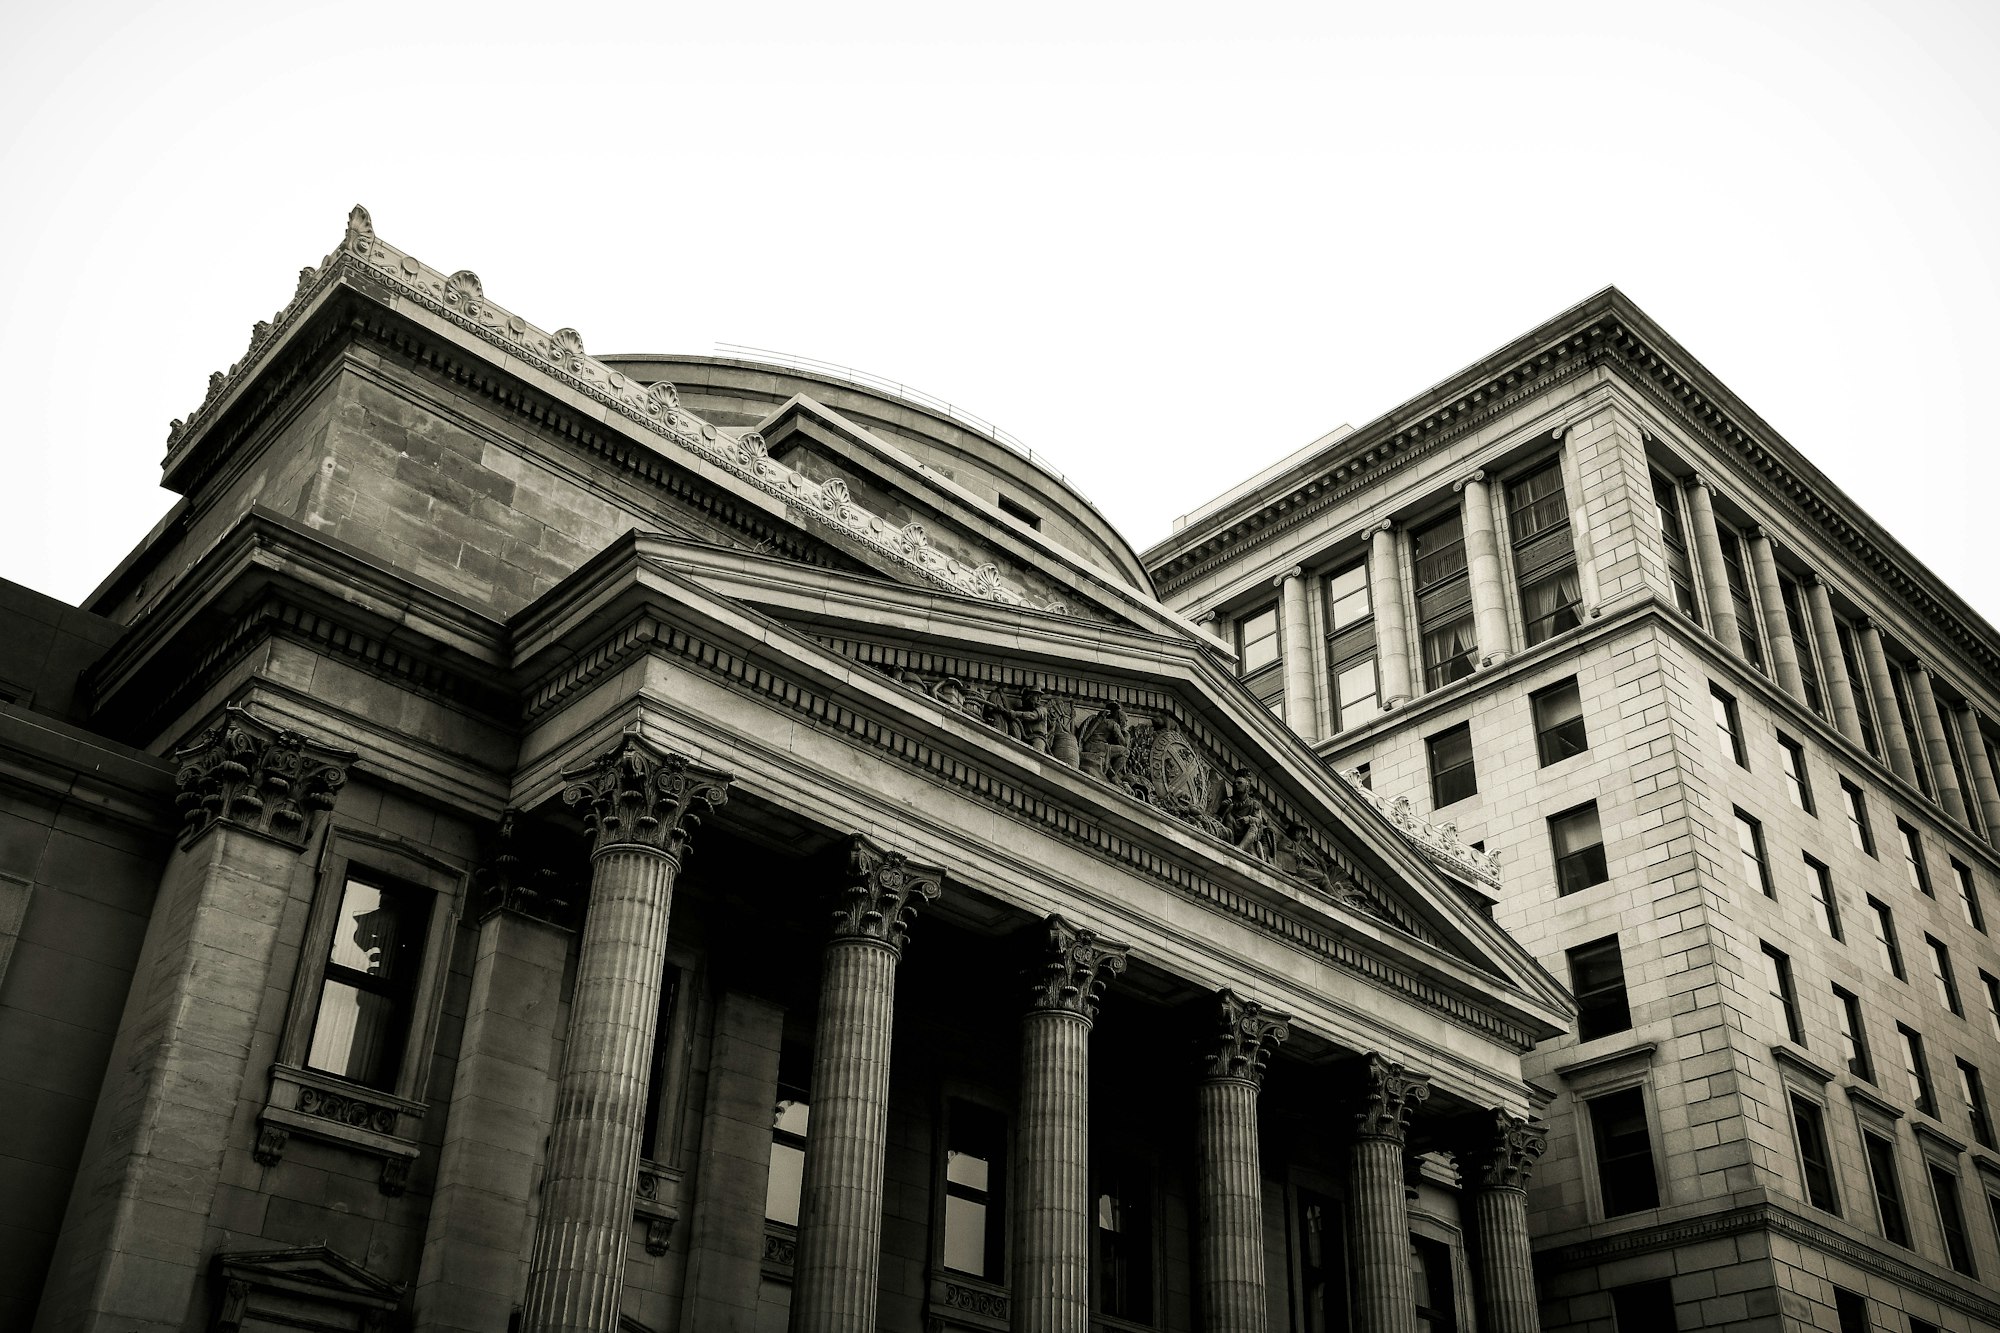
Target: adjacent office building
[[1580, 608]]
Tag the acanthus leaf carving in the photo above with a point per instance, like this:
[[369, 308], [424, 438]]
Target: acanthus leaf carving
[[1498, 1150], [1387, 1096], [881, 893], [638, 795], [1244, 1036], [517, 878], [1075, 967], [249, 773]]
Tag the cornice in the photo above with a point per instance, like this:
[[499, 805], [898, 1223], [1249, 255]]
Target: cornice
[[1285, 913], [651, 412]]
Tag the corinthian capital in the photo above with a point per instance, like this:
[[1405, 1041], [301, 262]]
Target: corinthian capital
[[640, 796], [1499, 1150], [881, 894], [1245, 1034], [1075, 967], [1387, 1098], [246, 772]]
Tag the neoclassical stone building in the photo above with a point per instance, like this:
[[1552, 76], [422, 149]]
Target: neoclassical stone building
[[1735, 748], [543, 841]]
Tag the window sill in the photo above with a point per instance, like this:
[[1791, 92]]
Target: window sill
[[336, 1111], [957, 1301]]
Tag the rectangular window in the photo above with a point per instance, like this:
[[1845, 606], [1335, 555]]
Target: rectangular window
[[1597, 979], [1857, 679], [1579, 847], [1625, 1178], [1853, 1036], [1941, 977], [1680, 569], [1885, 938], [1431, 1286], [1799, 627], [1881, 1155], [1798, 784], [1123, 1222], [1819, 883], [975, 1176], [1727, 729], [1951, 1219], [1991, 984], [367, 987], [1855, 806], [1917, 1070], [791, 1122], [1785, 1001], [1750, 848], [1815, 1160], [1444, 601], [1258, 643], [1645, 1307], [1559, 729], [1350, 648], [660, 1067], [1906, 715], [1968, 897], [1452, 775], [1914, 869], [1736, 574], [1974, 1093], [1322, 1264], [1851, 1309], [1544, 557]]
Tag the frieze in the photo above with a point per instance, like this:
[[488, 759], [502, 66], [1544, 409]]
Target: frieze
[[972, 1300], [344, 1109], [781, 1249], [246, 772], [1150, 756], [460, 298]]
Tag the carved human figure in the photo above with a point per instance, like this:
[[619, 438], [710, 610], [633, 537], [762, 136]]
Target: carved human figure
[[1108, 745], [1296, 856], [1249, 821], [1028, 723]]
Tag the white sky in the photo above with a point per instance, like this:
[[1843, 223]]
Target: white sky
[[1164, 244]]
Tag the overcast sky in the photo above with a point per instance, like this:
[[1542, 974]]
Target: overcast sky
[[1164, 244]]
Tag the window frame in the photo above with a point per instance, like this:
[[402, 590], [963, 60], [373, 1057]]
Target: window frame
[[1549, 736], [1602, 864], [1668, 504], [1853, 1029], [1827, 1169], [1599, 1199], [1265, 680], [1431, 622], [1942, 974], [1825, 900], [1798, 780], [1587, 997], [1991, 985], [1916, 869], [1886, 1195], [1972, 1089], [1148, 1175], [1917, 1071], [997, 1196], [1968, 895], [1756, 853], [1566, 615], [1736, 578], [1866, 715], [1783, 991], [1798, 625], [1443, 794], [1952, 1228], [1854, 805], [1728, 724], [1346, 650], [1887, 946]]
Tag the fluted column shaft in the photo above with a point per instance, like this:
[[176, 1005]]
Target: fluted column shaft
[[1378, 1210], [1895, 741], [1051, 1272], [840, 1204], [1714, 574], [1230, 1177], [578, 1270], [1495, 1162], [1833, 662], [1771, 596], [1985, 783], [840, 1213], [1301, 679], [1392, 625], [1930, 726], [1482, 566]]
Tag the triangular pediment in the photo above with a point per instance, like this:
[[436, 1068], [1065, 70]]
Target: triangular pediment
[[1153, 729]]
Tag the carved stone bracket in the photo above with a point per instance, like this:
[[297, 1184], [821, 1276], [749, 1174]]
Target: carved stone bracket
[[1075, 967], [881, 894], [1388, 1096], [1244, 1036], [641, 796], [656, 1203], [1498, 1150], [515, 879], [246, 772]]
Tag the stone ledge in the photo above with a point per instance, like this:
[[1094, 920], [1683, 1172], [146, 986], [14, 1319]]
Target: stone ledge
[[333, 1110]]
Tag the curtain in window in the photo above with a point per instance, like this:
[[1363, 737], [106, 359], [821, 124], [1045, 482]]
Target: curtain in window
[[1545, 602], [1448, 642]]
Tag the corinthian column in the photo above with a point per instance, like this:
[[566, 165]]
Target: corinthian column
[[1051, 1278], [1231, 1175], [1482, 566], [1378, 1212], [1495, 1159], [1392, 626], [638, 804], [840, 1205]]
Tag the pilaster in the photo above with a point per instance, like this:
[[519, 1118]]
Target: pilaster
[[840, 1209], [253, 797], [1051, 1268], [1229, 1164], [639, 805], [1985, 783]]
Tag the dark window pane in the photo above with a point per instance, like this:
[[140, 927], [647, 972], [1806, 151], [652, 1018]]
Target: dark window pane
[[1645, 1307], [1597, 978], [1122, 1218], [357, 1034], [1881, 1156], [1951, 1217], [1814, 1158], [1852, 1309], [1452, 775], [1625, 1177], [1431, 1286], [1579, 849], [1559, 725], [1439, 550]]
